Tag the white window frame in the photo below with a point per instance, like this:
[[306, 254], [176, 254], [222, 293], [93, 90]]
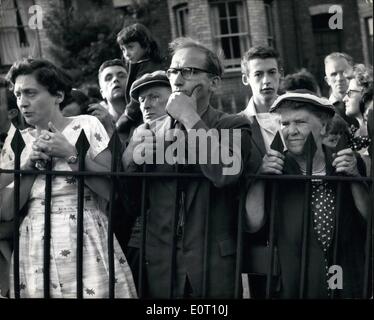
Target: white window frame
[[230, 64], [8, 25], [181, 13]]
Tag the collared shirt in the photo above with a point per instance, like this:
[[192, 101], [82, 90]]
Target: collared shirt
[[333, 99], [269, 122]]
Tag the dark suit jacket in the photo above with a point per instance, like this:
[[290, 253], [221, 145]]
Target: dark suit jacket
[[289, 240], [201, 200]]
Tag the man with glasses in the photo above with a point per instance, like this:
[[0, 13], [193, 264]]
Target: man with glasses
[[192, 223]]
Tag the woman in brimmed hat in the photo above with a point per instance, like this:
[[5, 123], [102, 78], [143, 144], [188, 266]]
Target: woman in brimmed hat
[[303, 114]]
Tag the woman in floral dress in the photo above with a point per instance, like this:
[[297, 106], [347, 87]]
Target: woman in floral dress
[[40, 87]]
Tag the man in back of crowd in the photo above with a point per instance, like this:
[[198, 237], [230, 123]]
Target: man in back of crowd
[[338, 71], [112, 80]]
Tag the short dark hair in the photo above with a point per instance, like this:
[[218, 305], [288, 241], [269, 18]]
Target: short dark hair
[[259, 52], [46, 73], [213, 61], [138, 32], [79, 97], [337, 125], [111, 63], [302, 79]]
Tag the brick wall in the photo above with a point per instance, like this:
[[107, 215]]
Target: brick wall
[[232, 95], [365, 10]]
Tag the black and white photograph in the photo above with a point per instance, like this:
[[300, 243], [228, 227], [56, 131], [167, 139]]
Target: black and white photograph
[[186, 159]]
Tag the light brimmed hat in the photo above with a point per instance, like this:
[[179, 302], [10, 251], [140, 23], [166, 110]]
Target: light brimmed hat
[[306, 96], [158, 78]]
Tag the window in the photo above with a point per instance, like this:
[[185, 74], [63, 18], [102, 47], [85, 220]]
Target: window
[[369, 36], [181, 18], [17, 40], [325, 42], [230, 30], [270, 22]]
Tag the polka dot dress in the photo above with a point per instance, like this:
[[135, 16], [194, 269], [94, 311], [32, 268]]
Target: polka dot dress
[[323, 211]]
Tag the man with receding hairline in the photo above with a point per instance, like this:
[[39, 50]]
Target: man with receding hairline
[[194, 74], [338, 70]]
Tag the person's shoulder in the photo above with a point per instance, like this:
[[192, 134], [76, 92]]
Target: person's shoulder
[[85, 118], [149, 66], [231, 121]]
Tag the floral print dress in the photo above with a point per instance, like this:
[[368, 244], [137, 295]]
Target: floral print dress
[[64, 228]]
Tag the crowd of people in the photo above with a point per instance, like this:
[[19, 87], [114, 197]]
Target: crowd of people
[[190, 229]]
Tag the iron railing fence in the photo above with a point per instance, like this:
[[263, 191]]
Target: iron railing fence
[[115, 176]]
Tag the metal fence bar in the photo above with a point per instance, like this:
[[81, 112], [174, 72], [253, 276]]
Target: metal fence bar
[[310, 151], [187, 175], [239, 243], [367, 284], [82, 146], [143, 214], [273, 208], [174, 237], [17, 145], [337, 227], [206, 247], [114, 147], [47, 231], [277, 145]]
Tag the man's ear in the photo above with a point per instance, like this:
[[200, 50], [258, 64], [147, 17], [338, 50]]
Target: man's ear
[[60, 95], [102, 95], [215, 83], [245, 79], [12, 113]]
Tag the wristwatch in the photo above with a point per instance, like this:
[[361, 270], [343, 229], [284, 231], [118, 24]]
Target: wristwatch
[[72, 159]]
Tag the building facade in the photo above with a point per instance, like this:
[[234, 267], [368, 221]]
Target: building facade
[[298, 29]]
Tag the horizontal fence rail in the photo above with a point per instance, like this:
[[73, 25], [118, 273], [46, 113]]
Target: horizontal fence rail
[[117, 177]]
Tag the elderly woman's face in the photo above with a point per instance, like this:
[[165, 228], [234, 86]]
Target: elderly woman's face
[[34, 101], [352, 99], [296, 126]]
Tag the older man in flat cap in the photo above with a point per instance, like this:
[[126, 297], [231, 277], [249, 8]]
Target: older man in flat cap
[[303, 114], [152, 91]]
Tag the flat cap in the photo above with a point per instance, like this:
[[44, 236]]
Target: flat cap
[[158, 78], [303, 96]]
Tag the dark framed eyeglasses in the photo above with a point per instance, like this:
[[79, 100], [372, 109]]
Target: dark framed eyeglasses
[[349, 92], [186, 72]]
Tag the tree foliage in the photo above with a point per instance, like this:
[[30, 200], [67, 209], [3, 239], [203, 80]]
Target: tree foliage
[[83, 40]]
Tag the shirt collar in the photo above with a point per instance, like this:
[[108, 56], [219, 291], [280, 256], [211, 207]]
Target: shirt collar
[[333, 100], [251, 111]]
